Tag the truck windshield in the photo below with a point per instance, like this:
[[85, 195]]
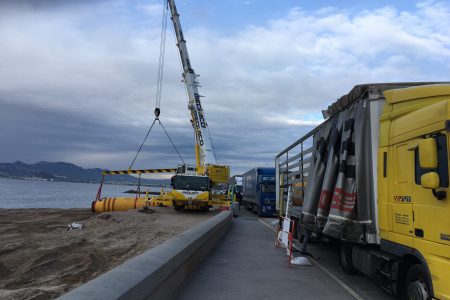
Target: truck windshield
[[193, 183], [268, 187]]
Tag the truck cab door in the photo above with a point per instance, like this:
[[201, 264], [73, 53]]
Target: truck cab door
[[400, 200], [432, 215]]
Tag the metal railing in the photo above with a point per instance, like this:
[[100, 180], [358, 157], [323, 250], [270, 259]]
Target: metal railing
[[292, 166]]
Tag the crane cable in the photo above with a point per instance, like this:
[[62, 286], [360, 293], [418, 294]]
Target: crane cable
[[162, 50], [143, 142], [174, 147], [212, 146]]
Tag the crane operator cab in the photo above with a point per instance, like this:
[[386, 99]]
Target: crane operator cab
[[186, 170], [189, 189], [198, 191], [190, 183]]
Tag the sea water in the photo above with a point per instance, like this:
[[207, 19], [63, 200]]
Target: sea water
[[49, 194]]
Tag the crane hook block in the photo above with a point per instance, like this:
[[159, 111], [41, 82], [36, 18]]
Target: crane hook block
[[157, 112]]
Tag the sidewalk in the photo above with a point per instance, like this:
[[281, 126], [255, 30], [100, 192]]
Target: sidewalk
[[246, 265]]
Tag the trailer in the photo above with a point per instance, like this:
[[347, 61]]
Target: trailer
[[235, 184], [374, 176], [258, 191]]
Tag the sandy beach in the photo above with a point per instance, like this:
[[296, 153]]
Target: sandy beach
[[41, 259]]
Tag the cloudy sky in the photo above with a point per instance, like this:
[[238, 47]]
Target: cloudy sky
[[78, 78]]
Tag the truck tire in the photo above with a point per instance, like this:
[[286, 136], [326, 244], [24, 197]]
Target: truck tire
[[178, 207], [345, 258], [417, 286], [299, 232], [259, 213]]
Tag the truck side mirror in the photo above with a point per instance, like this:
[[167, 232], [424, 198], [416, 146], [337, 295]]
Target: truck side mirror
[[430, 180], [428, 159], [428, 154]]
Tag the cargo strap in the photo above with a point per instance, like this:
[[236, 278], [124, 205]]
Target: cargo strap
[[162, 50], [143, 142]]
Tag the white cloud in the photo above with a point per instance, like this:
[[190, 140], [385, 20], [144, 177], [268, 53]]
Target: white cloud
[[264, 85], [151, 9], [286, 121]]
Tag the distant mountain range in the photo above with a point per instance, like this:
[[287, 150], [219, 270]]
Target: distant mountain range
[[62, 171]]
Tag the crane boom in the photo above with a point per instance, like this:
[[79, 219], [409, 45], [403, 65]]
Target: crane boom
[[204, 151], [199, 187]]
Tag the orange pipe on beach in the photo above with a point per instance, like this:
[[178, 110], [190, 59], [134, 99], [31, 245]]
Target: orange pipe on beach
[[117, 204]]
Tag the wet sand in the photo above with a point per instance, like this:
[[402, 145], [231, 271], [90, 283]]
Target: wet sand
[[41, 259]]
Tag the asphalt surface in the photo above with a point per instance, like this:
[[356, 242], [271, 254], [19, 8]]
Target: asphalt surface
[[326, 255], [246, 265]]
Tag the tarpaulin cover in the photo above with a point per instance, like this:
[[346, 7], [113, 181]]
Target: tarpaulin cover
[[339, 198]]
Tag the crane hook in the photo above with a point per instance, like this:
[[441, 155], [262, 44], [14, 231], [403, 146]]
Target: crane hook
[[157, 112]]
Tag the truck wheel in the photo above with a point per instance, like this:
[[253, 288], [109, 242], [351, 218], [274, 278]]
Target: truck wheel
[[299, 233], [204, 208], [345, 258], [178, 207], [417, 285]]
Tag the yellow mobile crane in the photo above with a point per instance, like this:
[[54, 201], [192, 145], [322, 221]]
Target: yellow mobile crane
[[203, 185], [195, 187]]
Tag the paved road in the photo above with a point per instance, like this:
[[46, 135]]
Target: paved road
[[246, 265], [326, 255]]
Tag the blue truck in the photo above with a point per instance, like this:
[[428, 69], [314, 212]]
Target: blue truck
[[258, 191]]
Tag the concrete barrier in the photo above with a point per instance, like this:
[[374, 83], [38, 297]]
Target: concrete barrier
[[160, 272]]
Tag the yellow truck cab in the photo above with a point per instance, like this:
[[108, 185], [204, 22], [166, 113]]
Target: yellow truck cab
[[375, 177], [413, 182]]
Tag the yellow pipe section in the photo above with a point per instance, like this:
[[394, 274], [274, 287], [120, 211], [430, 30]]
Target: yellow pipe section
[[118, 204], [127, 203]]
